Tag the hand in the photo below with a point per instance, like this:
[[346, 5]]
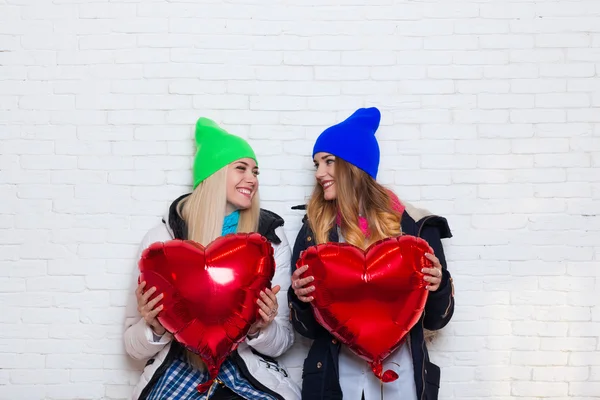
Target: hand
[[298, 284], [267, 308], [147, 310], [433, 276]]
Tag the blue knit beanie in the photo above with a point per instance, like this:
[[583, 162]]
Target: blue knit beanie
[[353, 140]]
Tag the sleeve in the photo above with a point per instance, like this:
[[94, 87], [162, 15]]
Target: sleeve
[[440, 304], [302, 316], [138, 337], [278, 336]]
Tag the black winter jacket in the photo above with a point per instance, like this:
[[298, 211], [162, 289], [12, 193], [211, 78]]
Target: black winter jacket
[[320, 379]]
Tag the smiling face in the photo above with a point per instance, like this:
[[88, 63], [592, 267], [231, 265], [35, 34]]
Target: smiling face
[[325, 174], [242, 184]]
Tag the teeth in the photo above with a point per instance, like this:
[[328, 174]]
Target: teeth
[[326, 185], [244, 191]]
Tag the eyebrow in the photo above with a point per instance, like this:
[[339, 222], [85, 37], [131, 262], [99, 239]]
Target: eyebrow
[[323, 158], [246, 164]]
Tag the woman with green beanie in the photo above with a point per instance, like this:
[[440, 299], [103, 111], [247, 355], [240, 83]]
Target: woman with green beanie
[[224, 200]]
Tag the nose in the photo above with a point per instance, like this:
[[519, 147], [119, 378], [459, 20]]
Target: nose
[[320, 172], [251, 178]]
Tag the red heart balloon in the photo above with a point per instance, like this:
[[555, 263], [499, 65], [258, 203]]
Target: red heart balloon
[[209, 293], [369, 300]]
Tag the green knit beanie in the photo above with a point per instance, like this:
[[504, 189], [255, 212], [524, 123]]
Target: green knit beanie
[[216, 149]]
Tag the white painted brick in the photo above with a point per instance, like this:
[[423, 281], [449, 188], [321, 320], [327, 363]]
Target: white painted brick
[[560, 40], [566, 189], [539, 115], [455, 72], [46, 377], [566, 100], [562, 160], [538, 358], [490, 101], [511, 71], [502, 373], [584, 115], [553, 389], [43, 162], [557, 374], [590, 389], [506, 42], [567, 70], [505, 131], [546, 145], [481, 116], [507, 161], [481, 26], [592, 55], [21, 147], [538, 55], [568, 344], [455, 42]]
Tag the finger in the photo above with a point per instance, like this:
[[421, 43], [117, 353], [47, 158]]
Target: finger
[[272, 296], [306, 299], [299, 271], [432, 288], [305, 291], [432, 271], [154, 301], [152, 314], [263, 315], [140, 288], [267, 299], [148, 293], [432, 279], [300, 283], [263, 306], [275, 290], [433, 259]]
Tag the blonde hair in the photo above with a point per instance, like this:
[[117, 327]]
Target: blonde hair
[[356, 191], [204, 211]]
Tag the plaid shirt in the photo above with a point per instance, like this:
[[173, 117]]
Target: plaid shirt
[[180, 381]]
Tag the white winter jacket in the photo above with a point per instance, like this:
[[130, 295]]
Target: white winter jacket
[[271, 342]]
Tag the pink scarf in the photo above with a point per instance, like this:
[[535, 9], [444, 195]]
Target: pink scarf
[[363, 224]]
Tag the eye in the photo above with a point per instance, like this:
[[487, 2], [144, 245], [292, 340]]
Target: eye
[[316, 165], [330, 161], [256, 172], [241, 167]]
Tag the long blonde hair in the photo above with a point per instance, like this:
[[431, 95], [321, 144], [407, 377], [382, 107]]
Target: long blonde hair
[[356, 191], [204, 211]]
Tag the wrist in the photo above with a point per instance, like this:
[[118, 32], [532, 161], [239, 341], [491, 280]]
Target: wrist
[[253, 333], [158, 331]]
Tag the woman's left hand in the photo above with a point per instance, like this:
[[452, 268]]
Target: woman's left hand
[[433, 276], [267, 308]]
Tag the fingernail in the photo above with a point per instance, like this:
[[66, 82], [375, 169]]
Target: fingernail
[[312, 278]]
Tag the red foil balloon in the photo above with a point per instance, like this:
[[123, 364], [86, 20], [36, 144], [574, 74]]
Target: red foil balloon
[[209, 293], [369, 300]]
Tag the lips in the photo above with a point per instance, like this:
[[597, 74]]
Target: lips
[[245, 191], [326, 184]]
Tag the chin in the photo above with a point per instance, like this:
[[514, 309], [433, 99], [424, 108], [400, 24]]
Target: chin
[[329, 197]]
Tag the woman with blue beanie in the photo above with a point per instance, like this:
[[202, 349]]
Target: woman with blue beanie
[[224, 200], [349, 205]]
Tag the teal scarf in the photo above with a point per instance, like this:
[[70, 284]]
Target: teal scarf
[[230, 223]]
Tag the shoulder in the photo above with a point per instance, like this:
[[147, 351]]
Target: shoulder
[[416, 220], [267, 226]]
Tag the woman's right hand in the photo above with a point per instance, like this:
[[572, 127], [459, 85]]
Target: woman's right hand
[[298, 284], [147, 309]]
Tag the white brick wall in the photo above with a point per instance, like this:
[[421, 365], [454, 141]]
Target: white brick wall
[[491, 117]]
